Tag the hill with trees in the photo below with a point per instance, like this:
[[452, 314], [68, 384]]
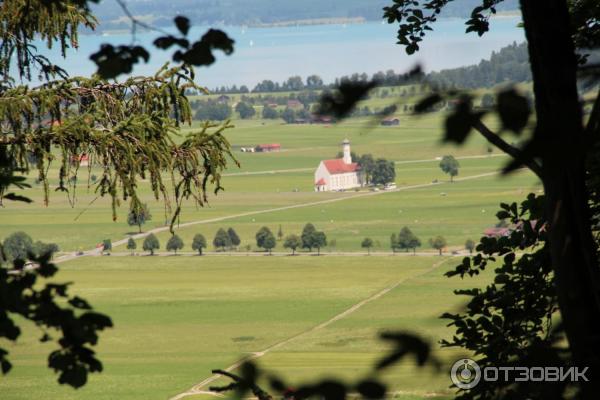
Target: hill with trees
[[257, 12], [509, 64]]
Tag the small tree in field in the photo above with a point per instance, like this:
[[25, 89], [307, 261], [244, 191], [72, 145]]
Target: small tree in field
[[450, 166], [17, 246], [175, 243], [332, 245], [308, 236], [438, 243], [319, 241], [413, 243], [394, 242], [234, 239], [279, 233], [292, 242], [367, 243], [470, 245], [265, 239], [404, 238], [41, 249], [151, 243], [222, 239], [199, 243], [106, 246], [131, 245], [140, 217]]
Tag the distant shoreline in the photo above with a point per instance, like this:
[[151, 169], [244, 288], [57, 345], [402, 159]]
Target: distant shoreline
[[312, 21], [292, 23]]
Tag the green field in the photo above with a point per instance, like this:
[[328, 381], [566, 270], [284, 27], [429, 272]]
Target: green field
[[176, 318], [179, 317], [414, 145]]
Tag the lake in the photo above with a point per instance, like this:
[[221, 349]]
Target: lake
[[327, 50]]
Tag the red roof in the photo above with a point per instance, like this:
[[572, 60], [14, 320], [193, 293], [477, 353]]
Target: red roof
[[338, 166], [320, 182]]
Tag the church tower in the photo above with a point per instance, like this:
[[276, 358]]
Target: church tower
[[347, 154]]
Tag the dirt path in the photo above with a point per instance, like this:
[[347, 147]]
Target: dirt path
[[284, 171], [200, 388]]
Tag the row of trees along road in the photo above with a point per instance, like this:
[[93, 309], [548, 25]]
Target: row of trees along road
[[229, 239], [265, 239]]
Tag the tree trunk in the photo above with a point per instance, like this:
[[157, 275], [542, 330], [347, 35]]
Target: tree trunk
[[140, 228], [560, 144], [440, 250]]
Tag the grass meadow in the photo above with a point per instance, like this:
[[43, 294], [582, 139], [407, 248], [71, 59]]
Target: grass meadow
[[176, 318]]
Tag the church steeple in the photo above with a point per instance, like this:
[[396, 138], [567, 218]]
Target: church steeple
[[347, 154]]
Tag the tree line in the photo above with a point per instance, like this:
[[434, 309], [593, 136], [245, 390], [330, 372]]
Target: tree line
[[309, 239], [509, 64]]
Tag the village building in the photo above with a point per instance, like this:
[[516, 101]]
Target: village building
[[338, 174]]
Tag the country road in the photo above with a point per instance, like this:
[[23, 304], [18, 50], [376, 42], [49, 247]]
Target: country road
[[123, 241], [200, 388], [285, 171]]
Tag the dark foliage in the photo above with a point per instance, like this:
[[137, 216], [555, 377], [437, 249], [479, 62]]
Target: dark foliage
[[113, 61], [67, 320], [510, 321]]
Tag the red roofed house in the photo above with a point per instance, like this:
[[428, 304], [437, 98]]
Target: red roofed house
[[338, 174]]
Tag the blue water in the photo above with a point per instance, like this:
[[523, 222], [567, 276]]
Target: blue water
[[327, 50]]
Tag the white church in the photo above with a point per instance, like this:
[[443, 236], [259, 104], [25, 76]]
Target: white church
[[338, 174]]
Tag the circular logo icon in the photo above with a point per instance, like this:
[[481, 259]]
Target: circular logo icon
[[465, 374]]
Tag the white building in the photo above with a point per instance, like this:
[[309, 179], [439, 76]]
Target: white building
[[338, 174]]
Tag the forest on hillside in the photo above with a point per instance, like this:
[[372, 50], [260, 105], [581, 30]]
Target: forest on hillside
[[253, 12], [509, 64]]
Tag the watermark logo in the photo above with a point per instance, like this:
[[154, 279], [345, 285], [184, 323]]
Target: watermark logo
[[465, 374]]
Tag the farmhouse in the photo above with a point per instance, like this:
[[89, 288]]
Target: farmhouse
[[339, 173]]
